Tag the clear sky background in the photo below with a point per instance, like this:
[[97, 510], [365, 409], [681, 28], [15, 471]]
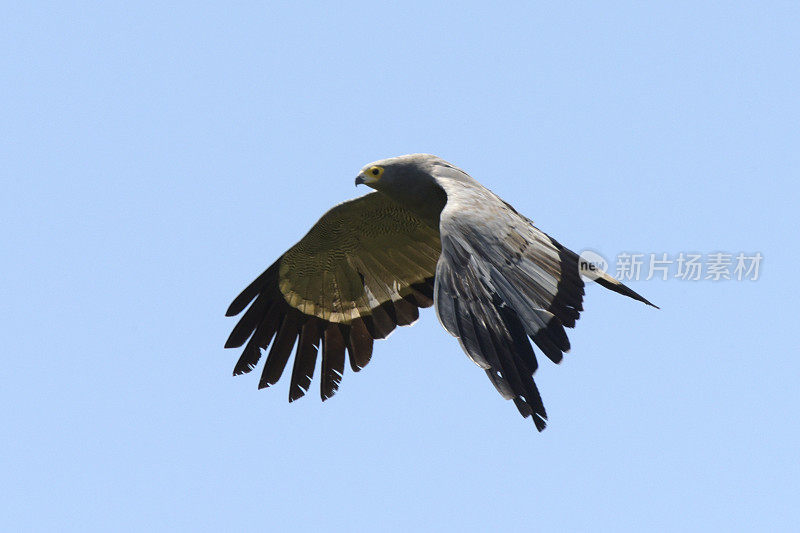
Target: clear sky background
[[156, 158]]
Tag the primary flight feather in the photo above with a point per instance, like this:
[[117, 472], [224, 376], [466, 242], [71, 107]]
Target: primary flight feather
[[430, 235]]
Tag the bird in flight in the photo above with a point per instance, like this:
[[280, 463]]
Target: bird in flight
[[429, 235]]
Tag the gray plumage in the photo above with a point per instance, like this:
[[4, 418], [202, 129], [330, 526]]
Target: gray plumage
[[430, 235]]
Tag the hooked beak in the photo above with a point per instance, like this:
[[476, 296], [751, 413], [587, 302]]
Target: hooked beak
[[366, 179]]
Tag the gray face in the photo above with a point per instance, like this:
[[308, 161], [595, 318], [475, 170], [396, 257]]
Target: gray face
[[392, 174], [408, 180]]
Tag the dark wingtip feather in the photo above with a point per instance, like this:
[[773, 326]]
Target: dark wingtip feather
[[281, 349], [381, 321], [333, 348], [240, 302], [568, 302], [406, 313], [268, 277], [305, 359], [248, 361], [359, 345], [425, 288], [552, 340], [540, 422], [620, 288], [526, 410], [260, 309], [260, 339]]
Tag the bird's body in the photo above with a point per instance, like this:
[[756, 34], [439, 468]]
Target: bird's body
[[430, 235]]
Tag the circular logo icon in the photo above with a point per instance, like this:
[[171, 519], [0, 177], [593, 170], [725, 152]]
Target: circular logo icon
[[591, 263]]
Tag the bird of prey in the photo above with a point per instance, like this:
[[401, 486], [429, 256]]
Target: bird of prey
[[429, 235]]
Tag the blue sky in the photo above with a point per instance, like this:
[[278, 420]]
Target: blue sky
[[156, 158]]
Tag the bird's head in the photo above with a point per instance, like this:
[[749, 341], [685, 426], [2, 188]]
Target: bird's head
[[409, 180], [397, 173]]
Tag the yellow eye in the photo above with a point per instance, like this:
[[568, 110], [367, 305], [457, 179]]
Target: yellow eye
[[376, 171]]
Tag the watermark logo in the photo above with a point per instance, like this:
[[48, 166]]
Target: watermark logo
[[591, 264]]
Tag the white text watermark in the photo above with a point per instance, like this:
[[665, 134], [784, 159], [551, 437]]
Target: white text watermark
[[688, 266]]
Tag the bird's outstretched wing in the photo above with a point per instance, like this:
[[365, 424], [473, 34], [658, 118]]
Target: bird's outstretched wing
[[364, 268], [500, 281]]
